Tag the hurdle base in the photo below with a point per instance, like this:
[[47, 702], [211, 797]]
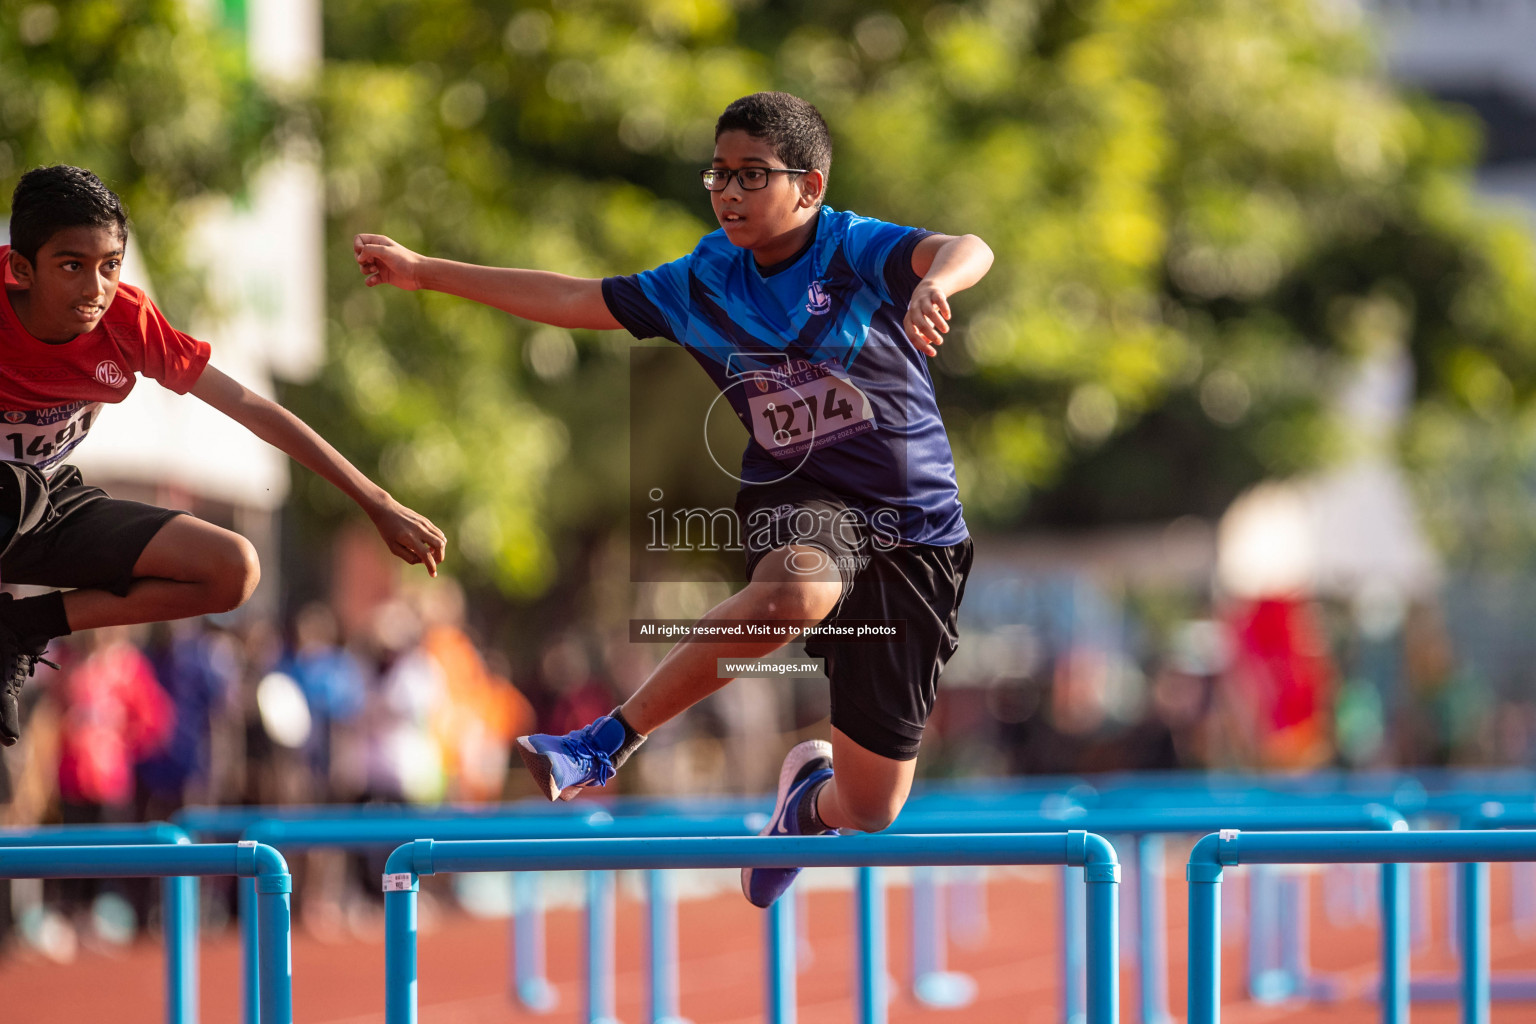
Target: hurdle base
[[944, 990], [537, 996], [1278, 986]]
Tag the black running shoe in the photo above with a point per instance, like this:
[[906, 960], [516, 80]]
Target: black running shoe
[[18, 660]]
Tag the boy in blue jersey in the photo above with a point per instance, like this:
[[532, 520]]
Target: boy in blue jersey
[[814, 324]]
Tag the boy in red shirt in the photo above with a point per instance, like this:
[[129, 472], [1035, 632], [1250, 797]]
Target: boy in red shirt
[[71, 339]]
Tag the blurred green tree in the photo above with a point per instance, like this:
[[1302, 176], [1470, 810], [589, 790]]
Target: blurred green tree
[[1206, 214], [152, 95]]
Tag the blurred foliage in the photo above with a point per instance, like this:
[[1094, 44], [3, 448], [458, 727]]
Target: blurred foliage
[[152, 95], [1205, 214]]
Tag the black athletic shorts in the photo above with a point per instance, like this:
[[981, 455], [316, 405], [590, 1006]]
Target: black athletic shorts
[[71, 534], [882, 693]]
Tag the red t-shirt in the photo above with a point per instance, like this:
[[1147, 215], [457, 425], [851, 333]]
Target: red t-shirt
[[51, 393]]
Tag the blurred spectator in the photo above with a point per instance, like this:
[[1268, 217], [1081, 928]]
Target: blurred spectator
[[274, 770], [482, 713], [113, 714], [578, 694], [334, 685], [1093, 717], [404, 759], [1281, 683], [1181, 702], [199, 669]]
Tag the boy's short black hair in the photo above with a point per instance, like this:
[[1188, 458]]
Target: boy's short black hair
[[49, 199], [793, 127]]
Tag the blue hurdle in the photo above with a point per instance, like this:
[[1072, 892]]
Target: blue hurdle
[[426, 857], [247, 860], [1392, 850], [1155, 822], [178, 899], [1470, 903], [371, 828], [382, 834], [376, 831]]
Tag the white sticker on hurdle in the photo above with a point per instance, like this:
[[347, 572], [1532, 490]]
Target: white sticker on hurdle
[[398, 882], [1229, 834], [248, 844]]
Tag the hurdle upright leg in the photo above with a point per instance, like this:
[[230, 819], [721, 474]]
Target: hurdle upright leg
[[274, 914], [1205, 942], [933, 984], [600, 953], [530, 986], [178, 902], [871, 982], [783, 953], [1102, 942], [400, 946], [1395, 944], [1475, 968], [661, 932]]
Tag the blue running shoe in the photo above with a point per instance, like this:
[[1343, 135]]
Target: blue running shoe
[[804, 769], [574, 761]]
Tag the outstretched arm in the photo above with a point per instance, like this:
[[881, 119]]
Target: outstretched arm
[[410, 536], [947, 264], [531, 294]]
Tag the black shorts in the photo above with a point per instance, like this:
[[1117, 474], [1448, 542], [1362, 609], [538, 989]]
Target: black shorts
[[882, 693], [74, 535]]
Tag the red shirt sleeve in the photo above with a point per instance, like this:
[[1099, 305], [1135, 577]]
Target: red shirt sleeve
[[174, 359]]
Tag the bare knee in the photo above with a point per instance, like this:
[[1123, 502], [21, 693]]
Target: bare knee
[[870, 815], [809, 601], [233, 573]]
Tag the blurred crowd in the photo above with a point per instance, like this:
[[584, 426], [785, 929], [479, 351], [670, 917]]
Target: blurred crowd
[[1065, 676], [135, 723], [1054, 676]]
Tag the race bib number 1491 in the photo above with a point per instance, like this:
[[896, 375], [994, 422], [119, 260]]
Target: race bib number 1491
[[43, 437]]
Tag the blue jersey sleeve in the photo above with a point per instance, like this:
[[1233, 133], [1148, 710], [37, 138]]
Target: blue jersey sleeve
[[652, 303], [881, 254], [900, 279]]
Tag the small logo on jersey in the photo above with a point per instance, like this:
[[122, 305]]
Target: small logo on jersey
[[15, 417], [820, 301], [110, 374], [762, 384]]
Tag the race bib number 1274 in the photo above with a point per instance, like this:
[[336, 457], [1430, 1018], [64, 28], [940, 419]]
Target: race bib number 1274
[[808, 409]]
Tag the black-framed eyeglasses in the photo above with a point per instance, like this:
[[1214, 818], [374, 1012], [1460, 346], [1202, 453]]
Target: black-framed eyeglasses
[[752, 178]]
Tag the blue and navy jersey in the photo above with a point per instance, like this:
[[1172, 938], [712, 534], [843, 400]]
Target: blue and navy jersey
[[813, 359]]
